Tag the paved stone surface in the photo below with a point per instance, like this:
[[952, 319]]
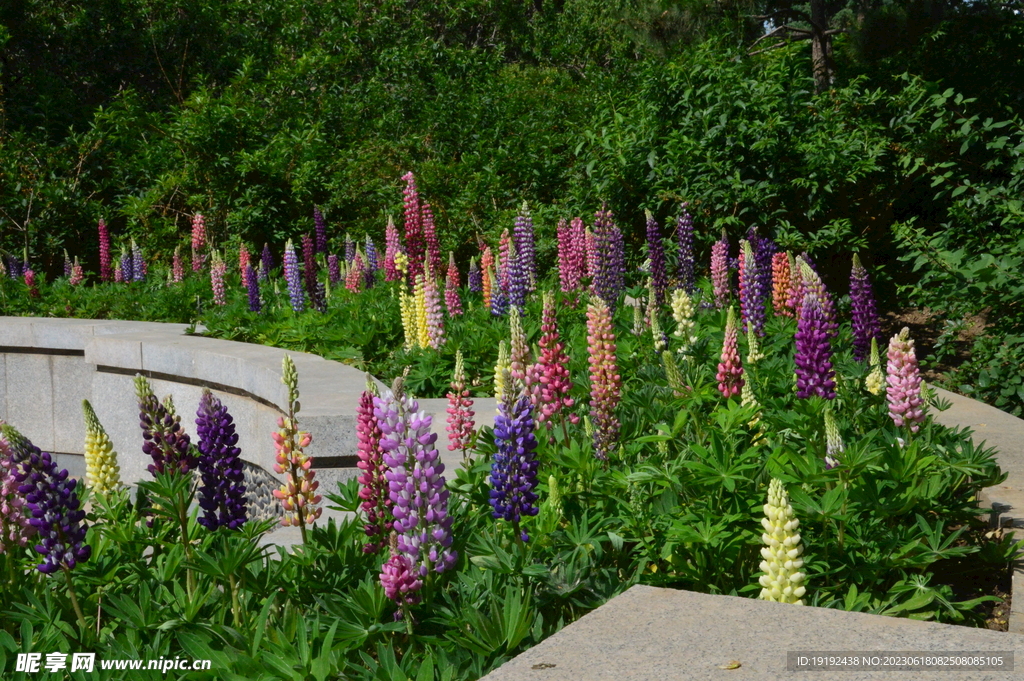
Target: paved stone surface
[[651, 634]]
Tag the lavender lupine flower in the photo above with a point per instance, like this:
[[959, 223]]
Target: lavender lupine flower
[[372, 257], [218, 268], [720, 270], [526, 252], [333, 270], [656, 254], [499, 302], [814, 373], [266, 262], [686, 259], [514, 464], [163, 438], [138, 263], [610, 278], [252, 285], [350, 249], [127, 266], [222, 494], [475, 278], [320, 226], [866, 324], [15, 530], [293, 278], [373, 485], [67, 264], [812, 284], [904, 383], [415, 481], [753, 294]]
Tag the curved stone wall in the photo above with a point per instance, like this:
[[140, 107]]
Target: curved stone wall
[[48, 366]]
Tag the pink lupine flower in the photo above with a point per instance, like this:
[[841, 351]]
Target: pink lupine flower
[[30, 281], [590, 252], [487, 267], [720, 270], [460, 410], [105, 273], [904, 383], [391, 249], [430, 236], [435, 314], [451, 289], [198, 241], [795, 300], [373, 485], [730, 370], [177, 268], [243, 259], [605, 381], [413, 227], [549, 384], [15, 529], [217, 271], [401, 582], [520, 355], [76, 273], [354, 278]]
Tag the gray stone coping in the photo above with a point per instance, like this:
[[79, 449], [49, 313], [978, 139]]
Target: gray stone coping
[[652, 634]]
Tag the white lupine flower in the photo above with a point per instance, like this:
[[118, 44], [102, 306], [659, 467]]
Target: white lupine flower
[[754, 355], [783, 579], [682, 312]]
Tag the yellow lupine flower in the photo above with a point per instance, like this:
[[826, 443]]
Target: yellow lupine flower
[[101, 470], [783, 579]]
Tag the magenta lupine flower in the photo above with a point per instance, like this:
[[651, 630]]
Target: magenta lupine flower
[[610, 273], [252, 288], [401, 582], [105, 271], [320, 227], [414, 247], [308, 265], [866, 324], [118, 275], [550, 392], [605, 382], [415, 483], [526, 252], [814, 373], [391, 249], [293, 278], [720, 270], [217, 272], [904, 383], [451, 289], [373, 485], [198, 241], [333, 270], [656, 254], [30, 282], [435, 314], [433, 245], [566, 274], [177, 267], [686, 260], [266, 262], [590, 249], [460, 410], [753, 295], [730, 369]]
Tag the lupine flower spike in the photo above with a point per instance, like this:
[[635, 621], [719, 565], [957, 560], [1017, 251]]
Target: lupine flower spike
[[177, 267], [294, 278], [866, 325], [67, 264], [252, 288], [76, 273], [550, 392], [474, 277], [391, 249], [609, 278], [222, 493], [460, 410], [15, 530], [373, 485], [754, 354], [422, 322], [433, 262], [875, 380], [320, 227], [504, 362], [407, 305], [514, 466], [686, 259], [783, 580], [434, 311], [198, 241], [605, 381], [101, 469], [730, 370], [298, 495], [781, 284], [243, 259], [672, 374], [720, 271], [414, 246], [682, 313], [266, 262], [834, 446], [217, 271], [752, 295], [814, 372], [523, 240], [656, 254], [105, 270], [904, 383], [451, 288]]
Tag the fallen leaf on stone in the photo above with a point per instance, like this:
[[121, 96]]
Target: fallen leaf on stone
[[732, 665], [543, 665]]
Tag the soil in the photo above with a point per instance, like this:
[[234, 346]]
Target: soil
[[925, 328], [972, 578]]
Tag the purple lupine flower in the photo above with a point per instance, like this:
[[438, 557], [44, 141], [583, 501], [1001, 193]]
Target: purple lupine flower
[[51, 504], [309, 269], [266, 263], [320, 226], [610, 278], [517, 279], [333, 269], [293, 278], [127, 269], [222, 494], [523, 239], [814, 373], [685, 259], [372, 257], [656, 253], [13, 267], [753, 295], [415, 482], [350, 249], [369, 274], [138, 263], [163, 438], [514, 464], [499, 302], [252, 285], [866, 324], [811, 283], [475, 277], [764, 250]]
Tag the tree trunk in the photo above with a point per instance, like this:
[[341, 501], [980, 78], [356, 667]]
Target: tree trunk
[[821, 47]]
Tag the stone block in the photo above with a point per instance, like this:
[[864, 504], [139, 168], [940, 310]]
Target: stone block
[[123, 351], [332, 435], [72, 382], [29, 392], [74, 464], [65, 334], [171, 356], [16, 332], [113, 398]]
